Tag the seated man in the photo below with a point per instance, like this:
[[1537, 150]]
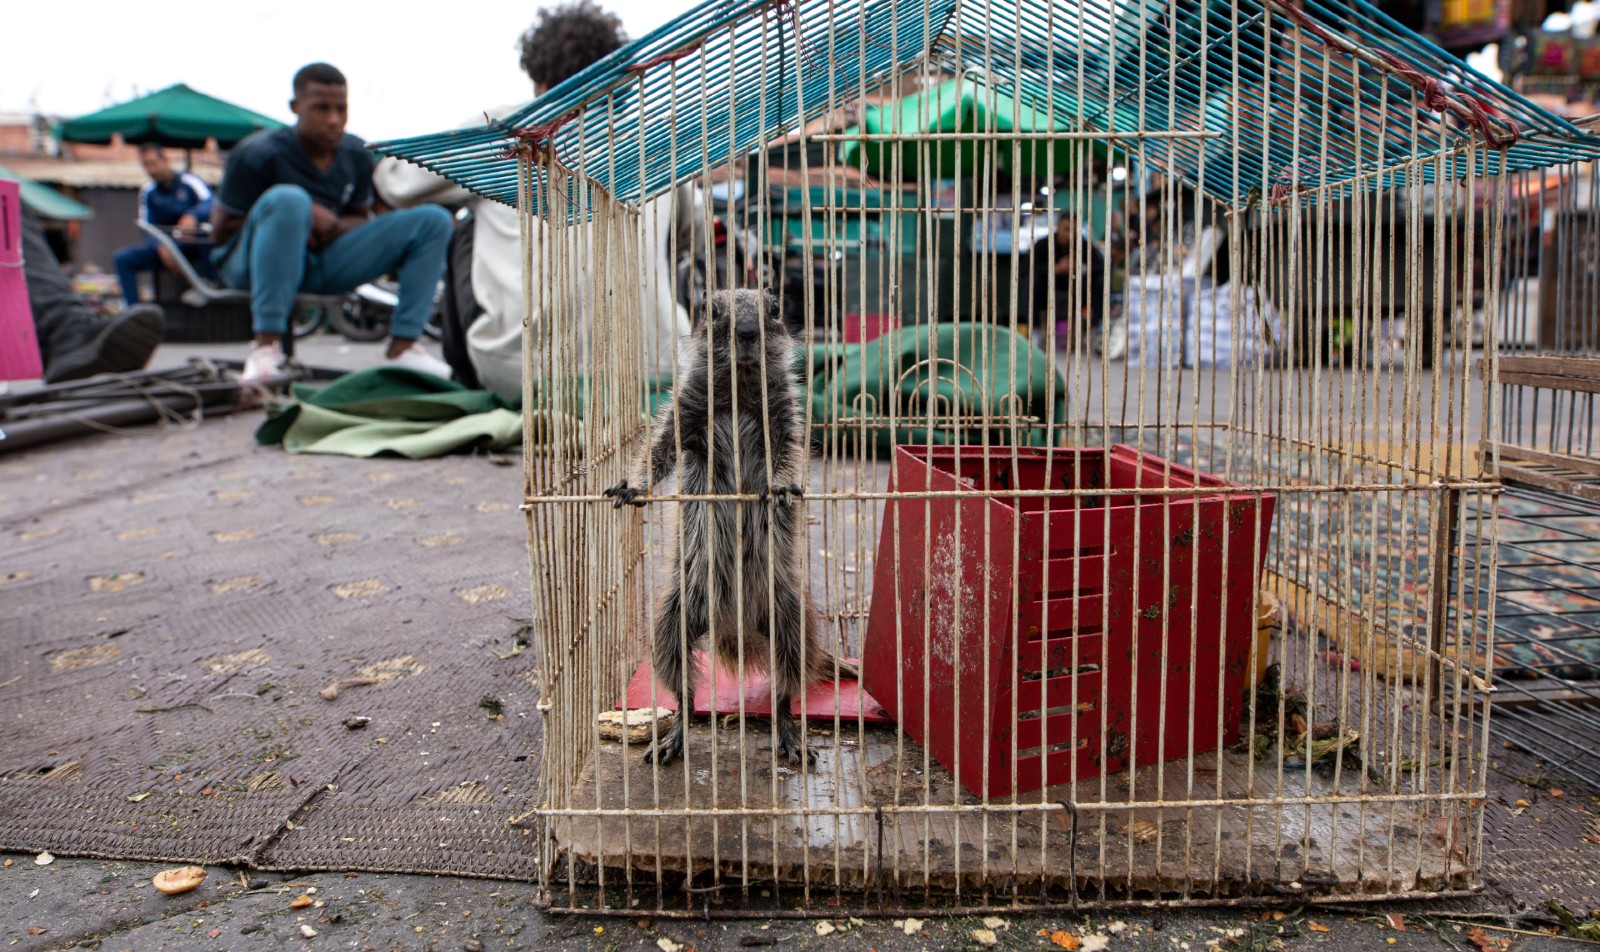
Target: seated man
[[1077, 275], [293, 214], [169, 200], [74, 339]]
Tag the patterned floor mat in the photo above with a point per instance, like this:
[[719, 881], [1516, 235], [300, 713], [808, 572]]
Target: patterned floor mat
[[1370, 550], [1547, 609], [171, 611]]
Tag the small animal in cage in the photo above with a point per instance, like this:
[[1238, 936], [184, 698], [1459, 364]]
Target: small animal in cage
[[734, 426]]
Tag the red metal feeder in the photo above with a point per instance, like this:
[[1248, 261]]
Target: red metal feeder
[[1025, 675]]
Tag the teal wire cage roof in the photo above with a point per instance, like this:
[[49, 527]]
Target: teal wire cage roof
[[1253, 97]]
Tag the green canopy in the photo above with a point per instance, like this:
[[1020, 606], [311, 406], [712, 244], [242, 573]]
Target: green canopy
[[45, 201], [964, 105], [176, 116]]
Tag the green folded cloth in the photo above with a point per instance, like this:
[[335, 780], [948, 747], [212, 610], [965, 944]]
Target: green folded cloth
[[391, 410], [975, 376]]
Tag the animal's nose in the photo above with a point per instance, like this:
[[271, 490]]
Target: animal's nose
[[747, 333]]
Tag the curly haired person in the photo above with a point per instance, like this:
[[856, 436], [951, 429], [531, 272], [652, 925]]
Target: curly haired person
[[482, 311]]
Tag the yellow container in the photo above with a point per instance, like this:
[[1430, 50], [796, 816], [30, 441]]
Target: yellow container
[[1269, 618]]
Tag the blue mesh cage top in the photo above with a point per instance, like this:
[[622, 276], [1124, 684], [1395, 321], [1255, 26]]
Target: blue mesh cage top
[[1268, 96]]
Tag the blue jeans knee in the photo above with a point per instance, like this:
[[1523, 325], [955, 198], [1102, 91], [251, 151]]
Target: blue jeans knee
[[283, 199], [435, 221]]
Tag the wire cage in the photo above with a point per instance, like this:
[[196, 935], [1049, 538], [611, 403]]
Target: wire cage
[[1118, 359], [1548, 443]]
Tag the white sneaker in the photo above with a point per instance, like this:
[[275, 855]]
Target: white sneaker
[[1115, 339], [415, 358], [265, 361]]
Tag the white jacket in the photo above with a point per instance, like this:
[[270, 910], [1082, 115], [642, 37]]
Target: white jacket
[[494, 341]]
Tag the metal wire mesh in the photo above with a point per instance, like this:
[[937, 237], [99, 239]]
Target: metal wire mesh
[[1227, 94], [1548, 625], [1172, 584]]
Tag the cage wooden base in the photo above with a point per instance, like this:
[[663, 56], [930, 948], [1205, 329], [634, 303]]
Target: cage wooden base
[[1217, 851]]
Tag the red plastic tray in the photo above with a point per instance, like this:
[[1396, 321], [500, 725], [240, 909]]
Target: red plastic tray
[[820, 706]]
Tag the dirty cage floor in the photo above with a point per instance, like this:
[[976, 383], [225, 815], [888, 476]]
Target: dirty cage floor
[[1385, 847]]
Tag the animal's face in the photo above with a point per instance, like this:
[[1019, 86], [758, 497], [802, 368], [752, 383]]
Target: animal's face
[[741, 324]]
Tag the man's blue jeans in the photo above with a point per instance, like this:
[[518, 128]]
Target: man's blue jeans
[[269, 256], [135, 258], [130, 261]]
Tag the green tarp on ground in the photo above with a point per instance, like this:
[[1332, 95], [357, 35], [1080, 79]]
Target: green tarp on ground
[[963, 371]]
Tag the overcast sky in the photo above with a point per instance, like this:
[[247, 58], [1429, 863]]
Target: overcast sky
[[409, 74]]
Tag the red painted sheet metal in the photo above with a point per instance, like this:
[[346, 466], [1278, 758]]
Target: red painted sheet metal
[[1018, 612]]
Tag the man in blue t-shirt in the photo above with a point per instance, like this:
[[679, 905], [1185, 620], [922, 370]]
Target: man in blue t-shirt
[[178, 200], [294, 213]]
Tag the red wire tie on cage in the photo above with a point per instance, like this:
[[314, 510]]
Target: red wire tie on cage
[[669, 57], [1473, 110], [1501, 132], [802, 53], [780, 7], [541, 135]]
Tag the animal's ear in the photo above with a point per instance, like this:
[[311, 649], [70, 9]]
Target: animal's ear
[[703, 309]]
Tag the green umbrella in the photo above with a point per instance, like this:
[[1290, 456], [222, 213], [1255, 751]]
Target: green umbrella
[[964, 105], [176, 116]]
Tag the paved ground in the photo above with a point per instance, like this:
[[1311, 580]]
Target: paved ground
[[319, 350], [112, 905]]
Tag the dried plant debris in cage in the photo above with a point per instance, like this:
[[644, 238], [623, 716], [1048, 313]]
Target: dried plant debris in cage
[[1268, 705], [736, 577]]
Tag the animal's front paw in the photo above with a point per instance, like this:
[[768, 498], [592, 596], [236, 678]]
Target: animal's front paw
[[791, 737], [793, 751], [667, 749], [783, 495], [623, 493]]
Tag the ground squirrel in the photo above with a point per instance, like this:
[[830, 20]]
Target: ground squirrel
[[734, 425]]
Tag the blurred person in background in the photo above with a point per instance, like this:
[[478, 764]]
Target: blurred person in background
[[481, 313], [179, 201]]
